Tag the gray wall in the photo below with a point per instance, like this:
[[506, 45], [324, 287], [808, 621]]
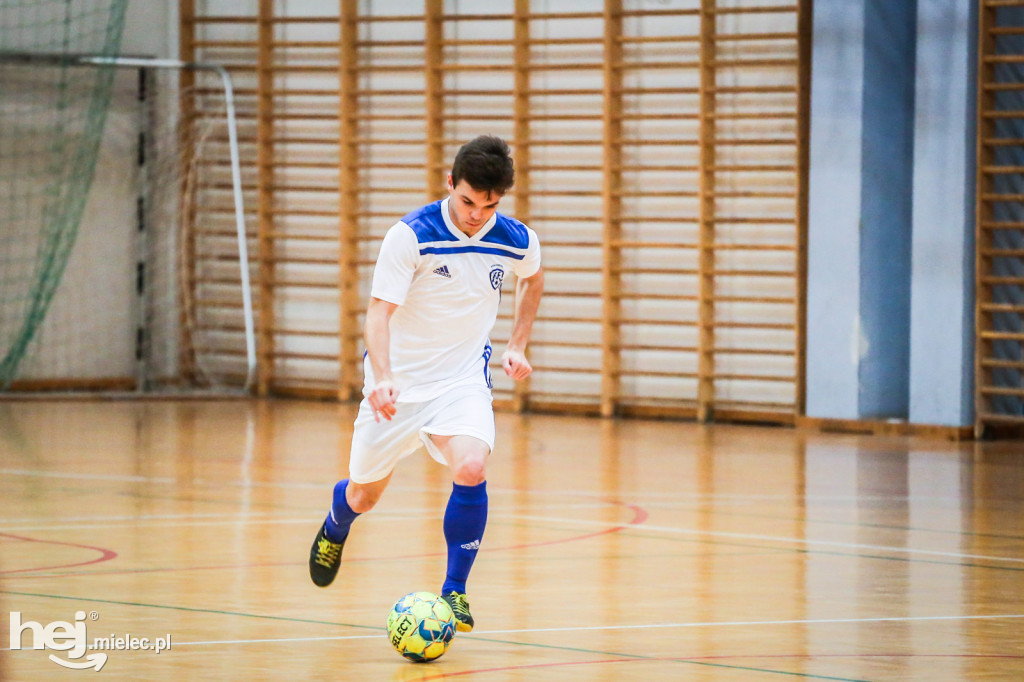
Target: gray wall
[[890, 293], [89, 330]]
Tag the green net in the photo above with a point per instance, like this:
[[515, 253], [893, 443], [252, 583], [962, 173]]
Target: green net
[[51, 121]]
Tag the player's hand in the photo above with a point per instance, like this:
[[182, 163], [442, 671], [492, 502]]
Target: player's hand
[[382, 400], [516, 365]]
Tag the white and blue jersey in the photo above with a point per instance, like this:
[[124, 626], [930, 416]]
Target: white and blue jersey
[[447, 286]]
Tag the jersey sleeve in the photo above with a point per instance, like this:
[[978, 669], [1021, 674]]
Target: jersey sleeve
[[396, 263], [530, 263]]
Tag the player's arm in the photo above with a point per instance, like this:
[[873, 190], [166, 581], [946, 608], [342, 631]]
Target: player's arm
[[377, 336], [528, 293]]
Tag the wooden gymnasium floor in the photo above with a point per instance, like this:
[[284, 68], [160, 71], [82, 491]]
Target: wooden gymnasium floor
[[616, 550]]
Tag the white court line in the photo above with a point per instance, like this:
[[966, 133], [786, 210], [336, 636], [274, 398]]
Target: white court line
[[748, 623], [278, 641], [238, 520], [158, 479], [175, 645], [242, 520], [710, 624], [91, 477], [140, 517], [771, 538], [230, 518], [636, 495]]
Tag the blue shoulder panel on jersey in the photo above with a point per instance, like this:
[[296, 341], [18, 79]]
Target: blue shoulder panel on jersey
[[507, 232], [428, 224]]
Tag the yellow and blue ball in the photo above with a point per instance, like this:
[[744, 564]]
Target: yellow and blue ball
[[421, 626]]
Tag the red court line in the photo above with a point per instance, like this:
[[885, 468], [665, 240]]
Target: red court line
[[105, 554], [639, 516]]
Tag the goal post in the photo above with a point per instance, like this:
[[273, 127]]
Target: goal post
[[236, 181], [178, 336]]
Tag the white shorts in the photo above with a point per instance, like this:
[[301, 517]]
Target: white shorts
[[377, 447]]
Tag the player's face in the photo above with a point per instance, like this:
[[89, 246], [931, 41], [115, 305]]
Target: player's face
[[470, 209]]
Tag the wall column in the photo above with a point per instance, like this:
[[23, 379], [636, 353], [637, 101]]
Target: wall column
[[942, 290], [833, 211]]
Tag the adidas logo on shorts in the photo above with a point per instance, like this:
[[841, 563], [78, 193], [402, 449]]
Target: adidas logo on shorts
[[471, 545], [443, 271]]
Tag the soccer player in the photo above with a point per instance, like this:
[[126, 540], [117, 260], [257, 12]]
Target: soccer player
[[434, 299]]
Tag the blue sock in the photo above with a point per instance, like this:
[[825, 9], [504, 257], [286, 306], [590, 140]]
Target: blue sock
[[464, 522], [341, 516]]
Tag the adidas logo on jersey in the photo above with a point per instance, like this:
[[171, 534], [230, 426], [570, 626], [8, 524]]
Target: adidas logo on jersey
[[443, 271], [471, 545]]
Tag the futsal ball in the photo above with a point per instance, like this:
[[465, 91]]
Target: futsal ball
[[421, 626]]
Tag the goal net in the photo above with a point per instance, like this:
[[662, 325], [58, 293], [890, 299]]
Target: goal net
[[124, 256]]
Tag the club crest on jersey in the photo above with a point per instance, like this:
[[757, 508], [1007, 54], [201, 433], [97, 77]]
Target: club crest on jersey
[[497, 275]]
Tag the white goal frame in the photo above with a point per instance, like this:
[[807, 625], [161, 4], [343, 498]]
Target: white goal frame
[[236, 181], [174, 64]]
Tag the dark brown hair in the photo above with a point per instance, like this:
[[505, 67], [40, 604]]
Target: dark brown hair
[[486, 164]]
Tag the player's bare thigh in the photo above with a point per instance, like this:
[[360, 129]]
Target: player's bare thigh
[[466, 456]]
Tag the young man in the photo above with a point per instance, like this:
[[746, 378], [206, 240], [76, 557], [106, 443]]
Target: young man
[[434, 299]]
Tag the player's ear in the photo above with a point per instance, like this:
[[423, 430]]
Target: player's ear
[[451, 187]]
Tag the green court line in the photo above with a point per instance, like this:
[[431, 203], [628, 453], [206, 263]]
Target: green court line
[[906, 560], [640, 657], [554, 647], [777, 672], [190, 609]]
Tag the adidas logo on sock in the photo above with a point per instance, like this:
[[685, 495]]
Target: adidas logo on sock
[[471, 545], [443, 271]]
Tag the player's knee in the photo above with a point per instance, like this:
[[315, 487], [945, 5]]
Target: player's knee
[[470, 471], [362, 499]]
